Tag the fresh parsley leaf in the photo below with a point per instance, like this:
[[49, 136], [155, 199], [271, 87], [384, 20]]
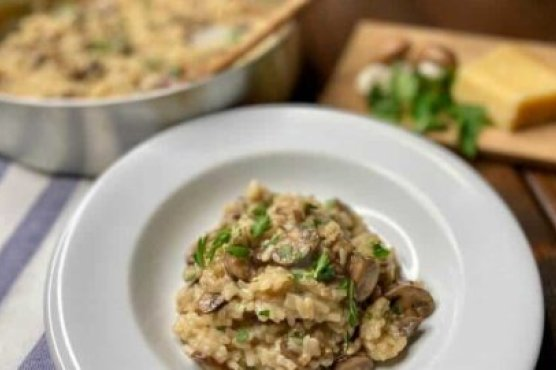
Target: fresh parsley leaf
[[346, 341], [259, 210], [199, 256], [264, 313], [380, 252], [470, 119], [323, 271], [262, 223], [300, 274], [385, 107], [239, 251], [222, 237], [405, 83], [353, 310], [242, 335], [344, 283], [426, 111]]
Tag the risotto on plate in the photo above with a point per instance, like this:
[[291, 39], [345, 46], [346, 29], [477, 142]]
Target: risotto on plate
[[288, 282]]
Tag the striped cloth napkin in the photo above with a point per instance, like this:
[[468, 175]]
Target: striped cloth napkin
[[33, 210]]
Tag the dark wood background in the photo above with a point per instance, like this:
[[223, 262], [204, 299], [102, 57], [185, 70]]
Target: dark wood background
[[530, 192]]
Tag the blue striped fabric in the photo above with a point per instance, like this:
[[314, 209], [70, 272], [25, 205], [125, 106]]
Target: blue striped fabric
[[24, 242], [38, 358], [32, 214]]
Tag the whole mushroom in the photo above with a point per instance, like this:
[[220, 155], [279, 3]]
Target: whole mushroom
[[434, 61], [391, 50], [437, 54]]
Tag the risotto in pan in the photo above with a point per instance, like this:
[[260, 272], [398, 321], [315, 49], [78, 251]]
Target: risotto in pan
[[100, 48], [288, 282]]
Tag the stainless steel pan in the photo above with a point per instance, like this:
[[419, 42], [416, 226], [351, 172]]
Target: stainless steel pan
[[85, 136]]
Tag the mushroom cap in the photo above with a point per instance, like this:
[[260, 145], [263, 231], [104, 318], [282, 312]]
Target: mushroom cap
[[237, 268], [210, 302], [392, 49], [412, 299], [437, 54], [364, 272], [359, 361]]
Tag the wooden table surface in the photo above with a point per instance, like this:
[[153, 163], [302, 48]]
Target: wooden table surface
[[529, 192]]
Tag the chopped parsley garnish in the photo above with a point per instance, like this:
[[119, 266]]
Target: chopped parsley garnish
[[242, 335], [239, 251], [275, 239], [222, 237], [353, 310], [301, 274], [221, 328], [330, 203], [199, 255], [262, 223], [344, 284], [346, 341], [259, 210], [323, 271], [297, 336], [264, 313], [380, 252]]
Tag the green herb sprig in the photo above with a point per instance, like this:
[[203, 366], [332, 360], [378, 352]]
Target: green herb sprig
[[262, 223], [199, 256], [238, 251], [323, 270], [429, 106], [353, 310], [379, 251], [222, 237]]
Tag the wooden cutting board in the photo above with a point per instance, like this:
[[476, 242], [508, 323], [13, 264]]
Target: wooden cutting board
[[535, 144]]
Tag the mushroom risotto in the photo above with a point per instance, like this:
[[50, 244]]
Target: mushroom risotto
[[99, 48], [288, 282]]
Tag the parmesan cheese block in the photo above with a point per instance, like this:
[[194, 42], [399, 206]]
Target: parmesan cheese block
[[515, 88]]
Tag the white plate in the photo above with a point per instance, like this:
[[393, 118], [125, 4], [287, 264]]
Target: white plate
[[112, 283]]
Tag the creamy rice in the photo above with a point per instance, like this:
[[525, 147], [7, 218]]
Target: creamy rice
[[288, 282], [99, 48]]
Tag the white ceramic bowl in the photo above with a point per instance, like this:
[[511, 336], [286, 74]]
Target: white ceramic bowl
[[113, 280]]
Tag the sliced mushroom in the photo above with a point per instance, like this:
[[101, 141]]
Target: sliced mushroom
[[364, 272], [237, 268], [210, 302], [405, 326], [359, 361], [411, 299], [296, 248], [392, 50], [438, 55]]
